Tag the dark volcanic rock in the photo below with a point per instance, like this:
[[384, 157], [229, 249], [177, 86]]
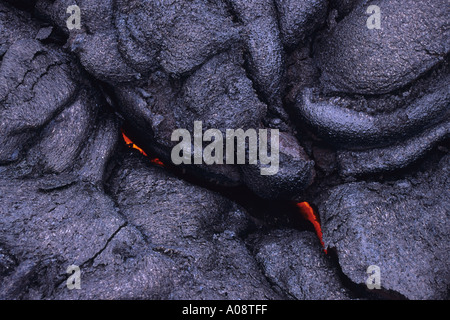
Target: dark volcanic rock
[[343, 7], [299, 19], [355, 129], [47, 226], [125, 41], [57, 139], [127, 268], [399, 226], [296, 262], [412, 39], [51, 116], [397, 156], [263, 42], [295, 174], [172, 63], [384, 133], [199, 230], [366, 102], [219, 94], [23, 4], [178, 35]]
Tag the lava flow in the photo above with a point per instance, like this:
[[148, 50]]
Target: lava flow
[[306, 210], [308, 213], [134, 146]]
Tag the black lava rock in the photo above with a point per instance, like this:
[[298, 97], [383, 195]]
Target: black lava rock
[[412, 39], [364, 123], [401, 226], [296, 262]]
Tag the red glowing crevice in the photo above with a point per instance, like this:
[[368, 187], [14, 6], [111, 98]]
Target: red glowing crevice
[[306, 210], [309, 214], [132, 145]]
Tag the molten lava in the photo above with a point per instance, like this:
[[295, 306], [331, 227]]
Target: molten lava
[[308, 213], [306, 210], [134, 146]]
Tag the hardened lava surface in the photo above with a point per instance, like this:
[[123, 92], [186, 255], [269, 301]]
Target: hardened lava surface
[[363, 116]]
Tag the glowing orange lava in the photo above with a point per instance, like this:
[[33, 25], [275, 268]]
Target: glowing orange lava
[[306, 210], [134, 146], [308, 213]]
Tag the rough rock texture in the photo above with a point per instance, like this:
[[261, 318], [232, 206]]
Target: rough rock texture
[[400, 226], [299, 19], [295, 261], [51, 227], [172, 63], [177, 241], [412, 39], [296, 171], [397, 156], [364, 124], [199, 230], [381, 99], [51, 116], [343, 7], [263, 42], [355, 129]]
